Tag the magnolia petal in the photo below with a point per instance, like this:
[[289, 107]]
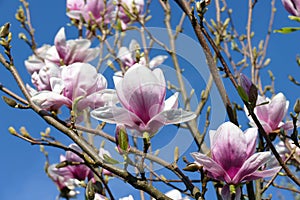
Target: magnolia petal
[[50, 100], [262, 111], [142, 91], [60, 43], [70, 156], [230, 146], [212, 137], [157, 60], [214, 169], [116, 115], [126, 56], [251, 165], [277, 110], [166, 117], [262, 174], [98, 99], [172, 102], [80, 79], [174, 194], [251, 135]]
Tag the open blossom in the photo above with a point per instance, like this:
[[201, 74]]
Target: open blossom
[[66, 52], [141, 93], [292, 6], [128, 56], [96, 8], [132, 7], [78, 83], [271, 114], [67, 178], [232, 156]]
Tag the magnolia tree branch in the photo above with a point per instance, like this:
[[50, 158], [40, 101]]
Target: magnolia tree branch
[[95, 159], [209, 57]]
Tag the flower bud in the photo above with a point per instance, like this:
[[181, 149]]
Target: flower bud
[[249, 88], [297, 106], [4, 30], [122, 139]]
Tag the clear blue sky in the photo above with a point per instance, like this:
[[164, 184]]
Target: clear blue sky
[[21, 168]]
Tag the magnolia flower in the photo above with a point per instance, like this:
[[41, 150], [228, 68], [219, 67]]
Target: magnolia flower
[[96, 8], [66, 185], [78, 87], [142, 95], [66, 52], [271, 114], [128, 56], [292, 6], [70, 175], [232, 156], [129, 9]]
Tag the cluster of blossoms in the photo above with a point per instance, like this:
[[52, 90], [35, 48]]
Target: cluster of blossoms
[[62, 75], [95, 12]]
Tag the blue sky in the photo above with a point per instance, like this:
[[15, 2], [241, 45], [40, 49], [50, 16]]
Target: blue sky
[[21, 168]]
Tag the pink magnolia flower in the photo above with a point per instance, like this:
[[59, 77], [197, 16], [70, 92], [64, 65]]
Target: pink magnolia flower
[[232, 156], [142, 95], [131, 6], [271, 115], [66, 52], [128, 56], [96, 8], [69, 177], [79, 86], [292, 6]]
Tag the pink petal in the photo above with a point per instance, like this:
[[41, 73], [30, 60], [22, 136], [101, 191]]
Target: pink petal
[[60, 43], [117, 115], [50, 100], [215, 170], [251, 135], [250, 166], [142, 91], [277, 110], [172, 102], [230, 148], [262, 174], [80, 79]]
